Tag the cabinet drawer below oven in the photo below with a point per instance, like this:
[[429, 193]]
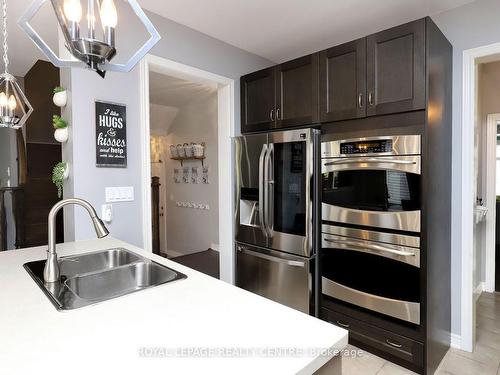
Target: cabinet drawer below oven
[[389, 345]]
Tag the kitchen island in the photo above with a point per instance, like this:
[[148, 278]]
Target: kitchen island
[[198, 325]]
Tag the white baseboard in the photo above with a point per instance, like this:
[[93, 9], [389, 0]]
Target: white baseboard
[[478, 290], [489, 286], [456, 341], [215, 246]]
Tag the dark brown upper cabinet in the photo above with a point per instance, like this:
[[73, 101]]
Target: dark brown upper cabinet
[[281, 97], [258, 101], [297, 92], [396, 69], [381, 74], [343, 81]]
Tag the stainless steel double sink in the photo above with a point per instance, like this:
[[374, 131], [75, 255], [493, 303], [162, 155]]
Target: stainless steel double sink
[[94, 277]]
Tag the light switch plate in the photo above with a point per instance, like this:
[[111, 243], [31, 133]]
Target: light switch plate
[[107, 213], [119, 194]]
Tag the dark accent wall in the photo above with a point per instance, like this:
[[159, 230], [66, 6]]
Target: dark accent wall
[[42, 153]]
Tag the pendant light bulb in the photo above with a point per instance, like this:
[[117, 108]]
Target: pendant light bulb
[[3, 100], [73, 10], [12, 103], [109, 15]]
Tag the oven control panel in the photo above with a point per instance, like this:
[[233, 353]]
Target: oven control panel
[[366, 147]]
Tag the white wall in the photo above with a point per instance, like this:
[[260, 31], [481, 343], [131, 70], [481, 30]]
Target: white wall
[[179, 43], [472, 25], [192, 230]]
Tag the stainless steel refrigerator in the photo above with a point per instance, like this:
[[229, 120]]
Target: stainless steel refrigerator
[[275, 217]]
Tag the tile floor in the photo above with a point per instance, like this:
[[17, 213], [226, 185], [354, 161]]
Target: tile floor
[[484, 361]]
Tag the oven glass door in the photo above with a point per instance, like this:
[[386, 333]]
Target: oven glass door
[[372, 190], [382, 284], [377, 191], [372, 274]]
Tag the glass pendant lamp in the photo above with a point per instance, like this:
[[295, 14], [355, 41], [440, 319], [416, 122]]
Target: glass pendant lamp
[[14, 106], [89, 27]]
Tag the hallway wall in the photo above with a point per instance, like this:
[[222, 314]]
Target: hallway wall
[[191, 230]]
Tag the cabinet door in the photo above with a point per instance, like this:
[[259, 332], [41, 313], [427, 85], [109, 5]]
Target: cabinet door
[[257, 101], [343, 81], [396, 69], [297, 92]]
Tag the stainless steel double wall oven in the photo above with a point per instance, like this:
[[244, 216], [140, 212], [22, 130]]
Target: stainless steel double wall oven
[[274, 218], [371, 212]]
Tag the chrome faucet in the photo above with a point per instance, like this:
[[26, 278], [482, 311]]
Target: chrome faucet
[[51, 270]]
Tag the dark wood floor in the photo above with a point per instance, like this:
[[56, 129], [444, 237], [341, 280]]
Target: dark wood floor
[[205, 261]]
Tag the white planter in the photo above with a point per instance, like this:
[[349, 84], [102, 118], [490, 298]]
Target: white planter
[[60, 98], [61, 135], [66, 171]]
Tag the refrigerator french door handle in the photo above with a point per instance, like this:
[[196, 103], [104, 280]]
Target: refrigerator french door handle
[[269, 191], [288, 262], [262, 188]]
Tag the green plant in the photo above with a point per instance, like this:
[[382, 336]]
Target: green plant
[[58, 122], [58, 177], [59, 89]]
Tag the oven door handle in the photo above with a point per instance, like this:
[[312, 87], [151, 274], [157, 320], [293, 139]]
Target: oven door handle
[[288, 262], [371, 161], [370, 247], [262, 190]]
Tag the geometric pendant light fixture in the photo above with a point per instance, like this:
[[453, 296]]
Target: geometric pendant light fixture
[[14, 106], [89, 28]]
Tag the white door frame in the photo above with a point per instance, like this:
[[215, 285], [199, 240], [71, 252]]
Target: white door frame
[[489, 168], [226, 130], [469, 106]]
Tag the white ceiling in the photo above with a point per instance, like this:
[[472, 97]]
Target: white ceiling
[[280, 30], [174, 92]]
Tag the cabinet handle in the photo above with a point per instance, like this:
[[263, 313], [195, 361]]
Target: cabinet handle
[[278, 116], [345, 325], [396, 345], [360, 100], [271, 115], [370, 98]]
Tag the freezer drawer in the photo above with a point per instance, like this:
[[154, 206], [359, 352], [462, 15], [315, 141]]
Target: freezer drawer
[[281, 277]]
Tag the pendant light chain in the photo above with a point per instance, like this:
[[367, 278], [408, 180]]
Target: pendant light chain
[[5, 45]]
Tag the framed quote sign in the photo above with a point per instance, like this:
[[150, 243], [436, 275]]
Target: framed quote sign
[[111, 134]]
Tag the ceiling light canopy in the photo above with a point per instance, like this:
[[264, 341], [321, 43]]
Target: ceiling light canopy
[[14, 106], [88, 27]]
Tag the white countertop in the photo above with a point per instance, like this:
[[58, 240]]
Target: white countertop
[[198, 312]]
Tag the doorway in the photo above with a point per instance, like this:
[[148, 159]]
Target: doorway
[[184, 129], [185, 110], [491, 179], [479, 137]]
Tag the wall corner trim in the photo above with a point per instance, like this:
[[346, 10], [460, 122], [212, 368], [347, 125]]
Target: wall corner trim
[[456, 341]]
